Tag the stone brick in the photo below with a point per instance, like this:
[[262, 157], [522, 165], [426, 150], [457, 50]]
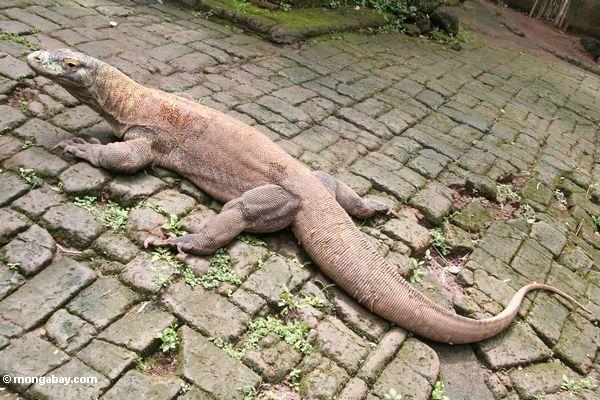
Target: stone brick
[[103, 301], [207, 311], [341, 344], [515, 346], [31, 250], [12, 223], [76, 118], [68, 331], [106, 358], [138, 330], [432, 203], [135, 385], [72, 225], [10, 117], [276, 272], [322, 378], [172, 202], [42, 133], [37, 201], [37, 159], [10, 279], [544, 378], [409, 232], [83, 178], [129, 189], [578, 343], [473, 218], [45, 292], [273, 358], [11, 187], [359, 317], [116, 246], [212, 370], [147, 273], [30, 356], [382, 354]]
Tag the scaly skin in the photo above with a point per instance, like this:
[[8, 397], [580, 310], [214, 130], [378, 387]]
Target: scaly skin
[[264, 189]]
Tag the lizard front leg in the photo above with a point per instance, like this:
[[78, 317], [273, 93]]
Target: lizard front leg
[[125, 157], [263, 209], [350, 201]]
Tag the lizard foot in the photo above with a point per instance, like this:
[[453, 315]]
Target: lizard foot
[[77, 146], [182, 247]]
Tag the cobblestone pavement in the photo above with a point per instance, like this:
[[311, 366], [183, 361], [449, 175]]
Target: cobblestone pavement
[[496, 149]]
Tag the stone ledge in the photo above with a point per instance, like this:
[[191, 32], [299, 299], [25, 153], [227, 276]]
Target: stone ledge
[[294, 25]]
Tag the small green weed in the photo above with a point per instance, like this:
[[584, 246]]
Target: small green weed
[[573, 386], [439, 241], [288, 302], [29, 143], [560, 197], [169, 339], [416, 273], [251, 239], [392, 394], [316, 302], [219, 271], [438, 392], [184, 387], [506, 192], [228, 348], [596, 220], [174, 225], [294, 379], [204, 14], [539, 395], [528, 213], [295, 333], [13, 37], [111, 215], [13, 266], [167, 255], [29, 176]]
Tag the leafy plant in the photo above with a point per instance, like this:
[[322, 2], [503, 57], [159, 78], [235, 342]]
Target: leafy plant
[[29, 176], [166, 254], [288, 302], [596, 220], [174, 225], [392, 394], [13, 37], [111, 215], [438, 392], [204, 14], [295, 333], [315, 301], [251, 239], [184, 387], [13, 266], [573, 386], [228, 348], [506, 192], [439, 241], [560, 196], [219, 271], [294, 379], [169, 338]]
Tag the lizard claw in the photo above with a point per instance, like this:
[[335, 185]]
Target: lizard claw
[[156, 242], [392, 213]]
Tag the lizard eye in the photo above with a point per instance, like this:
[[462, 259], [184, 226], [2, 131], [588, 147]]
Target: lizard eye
[[72, 64]]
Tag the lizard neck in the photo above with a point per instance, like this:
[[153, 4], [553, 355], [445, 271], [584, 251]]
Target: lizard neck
[[117, 98]]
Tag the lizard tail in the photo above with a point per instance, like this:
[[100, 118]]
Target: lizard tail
[[343, 253]]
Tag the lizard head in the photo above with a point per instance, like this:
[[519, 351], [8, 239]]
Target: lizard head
[[74, 71]]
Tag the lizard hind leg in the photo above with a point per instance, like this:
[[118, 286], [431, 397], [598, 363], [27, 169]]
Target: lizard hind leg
[[263, 209], [350, 201]]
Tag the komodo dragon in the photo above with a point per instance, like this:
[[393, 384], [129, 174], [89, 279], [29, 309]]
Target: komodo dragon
[[264, 190]]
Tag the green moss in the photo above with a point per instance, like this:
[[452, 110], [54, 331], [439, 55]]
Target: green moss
[[295, 24]]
